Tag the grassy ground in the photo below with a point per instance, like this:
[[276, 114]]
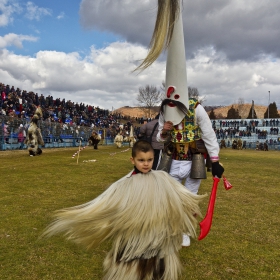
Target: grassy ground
[[243, 242]]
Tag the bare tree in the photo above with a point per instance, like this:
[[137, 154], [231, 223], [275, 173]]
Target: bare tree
[[241, 107], [194, 93], [149, 97]]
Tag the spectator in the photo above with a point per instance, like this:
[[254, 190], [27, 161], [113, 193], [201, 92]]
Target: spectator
[[149, 132], [21, 136]]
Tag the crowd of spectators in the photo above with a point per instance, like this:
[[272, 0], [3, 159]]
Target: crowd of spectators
[[231, 133], [245, 128], [22, 104], [59, 114], [67, 117], [250, 124], [236, 123]]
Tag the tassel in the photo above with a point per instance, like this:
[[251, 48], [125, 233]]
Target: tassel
[[227, 184]]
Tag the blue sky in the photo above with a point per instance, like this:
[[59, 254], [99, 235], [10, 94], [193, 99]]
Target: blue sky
[[85, 50], [54, 25]]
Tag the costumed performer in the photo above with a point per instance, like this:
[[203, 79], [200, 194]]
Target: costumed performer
[[34, 137], [94, 139], [145, 214], [184, 120], [131, 138], [119, 139]]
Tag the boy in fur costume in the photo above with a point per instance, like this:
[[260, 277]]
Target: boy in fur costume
[[145, 214], [34, 137]]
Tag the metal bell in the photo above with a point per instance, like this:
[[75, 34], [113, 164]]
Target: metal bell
[[198, 170], [166, 160], [165, 163]]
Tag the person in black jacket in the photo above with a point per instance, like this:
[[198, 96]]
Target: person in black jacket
[[149, 132]]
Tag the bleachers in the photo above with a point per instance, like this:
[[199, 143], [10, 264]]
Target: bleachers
[[257, 125], [11, 143], [56, 136]]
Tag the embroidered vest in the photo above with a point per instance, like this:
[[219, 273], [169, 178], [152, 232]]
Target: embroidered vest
[[185, 133]]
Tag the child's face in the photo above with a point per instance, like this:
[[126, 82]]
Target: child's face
[[143, 161]]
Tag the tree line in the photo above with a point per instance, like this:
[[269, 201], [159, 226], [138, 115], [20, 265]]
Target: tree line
[[150, 97]]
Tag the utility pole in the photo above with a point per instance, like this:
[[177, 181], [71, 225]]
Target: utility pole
[[268, 104]]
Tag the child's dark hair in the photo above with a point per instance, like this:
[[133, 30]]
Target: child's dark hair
[[141, 146]]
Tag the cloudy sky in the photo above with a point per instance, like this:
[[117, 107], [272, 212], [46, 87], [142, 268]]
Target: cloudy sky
[[85, 51]]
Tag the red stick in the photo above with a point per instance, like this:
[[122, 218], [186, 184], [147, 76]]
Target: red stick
[[206, 223]]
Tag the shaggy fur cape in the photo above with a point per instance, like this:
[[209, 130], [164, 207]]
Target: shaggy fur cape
[[34, 137], [118, 140], [145, 215], [94, 139]]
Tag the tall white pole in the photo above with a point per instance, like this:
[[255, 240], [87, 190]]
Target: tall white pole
[[268, 104]]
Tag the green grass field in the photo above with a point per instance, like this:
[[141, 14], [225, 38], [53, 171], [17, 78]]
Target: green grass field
[[243, 242]]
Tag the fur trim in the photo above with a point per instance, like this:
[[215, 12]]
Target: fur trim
[[145, 215], [118, 140], [34, 136], [167, 14]]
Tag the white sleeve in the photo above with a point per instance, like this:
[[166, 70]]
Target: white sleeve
[[207, 133]]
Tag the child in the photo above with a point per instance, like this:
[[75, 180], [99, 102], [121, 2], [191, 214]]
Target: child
[[145, 214]]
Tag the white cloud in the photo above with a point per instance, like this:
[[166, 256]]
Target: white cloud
[[34, 12], [104, 78], [61, 15], [223, 81], [12, 39], [218, 36], [240, 29], [99, 79], [7, 9]]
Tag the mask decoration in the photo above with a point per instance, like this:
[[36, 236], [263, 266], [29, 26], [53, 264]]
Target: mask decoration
[[176, 74], [168, 34], [34, 137]]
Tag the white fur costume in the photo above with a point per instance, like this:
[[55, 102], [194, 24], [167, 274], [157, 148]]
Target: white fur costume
[[145, 215], [118, 140], [34, 137], [131, 138], [131, 141]]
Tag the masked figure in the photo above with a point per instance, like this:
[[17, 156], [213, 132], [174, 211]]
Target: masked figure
[[34, 137]]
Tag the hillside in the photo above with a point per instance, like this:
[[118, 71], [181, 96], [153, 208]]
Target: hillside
[[243, 110], [220, 112], [136, 112]]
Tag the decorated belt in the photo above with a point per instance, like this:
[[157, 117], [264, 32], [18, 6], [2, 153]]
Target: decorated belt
[[182, 152], [184, 159]]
